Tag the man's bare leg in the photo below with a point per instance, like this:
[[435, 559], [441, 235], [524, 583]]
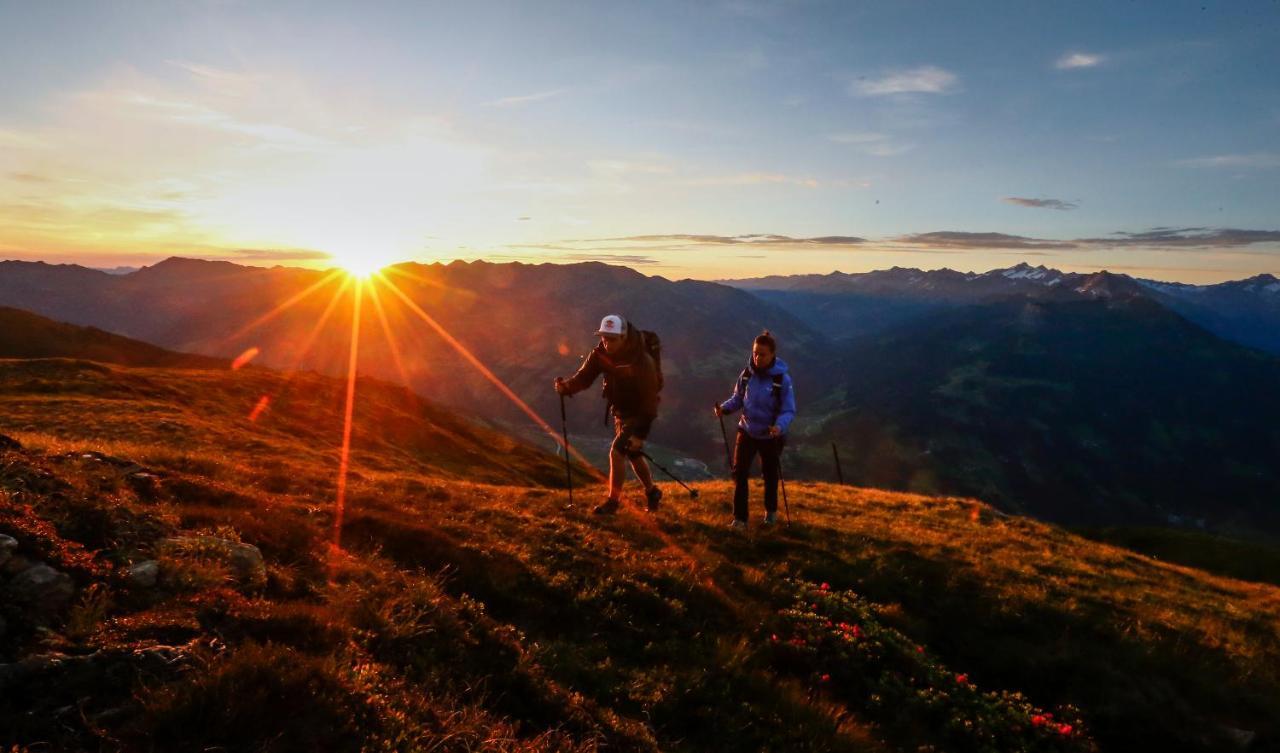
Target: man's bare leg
[[617, 474], [641, 468]]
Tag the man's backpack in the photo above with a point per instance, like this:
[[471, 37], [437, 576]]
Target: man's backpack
[[653, 346]]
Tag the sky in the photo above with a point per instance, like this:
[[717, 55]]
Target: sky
[[711, 140]]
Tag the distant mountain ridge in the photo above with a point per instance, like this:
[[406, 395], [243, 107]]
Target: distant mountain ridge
[[27, 335], [854, 304], [527, 323]]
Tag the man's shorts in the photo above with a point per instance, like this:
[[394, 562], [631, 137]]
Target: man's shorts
[[624, 429]]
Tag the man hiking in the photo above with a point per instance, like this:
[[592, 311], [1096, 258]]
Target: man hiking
[[764, 393], [632, 379]]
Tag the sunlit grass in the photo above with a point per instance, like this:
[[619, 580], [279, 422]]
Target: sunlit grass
[[458, 606]]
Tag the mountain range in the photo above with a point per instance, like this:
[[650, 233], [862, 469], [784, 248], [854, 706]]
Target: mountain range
[[849, 305], [1088, 398]]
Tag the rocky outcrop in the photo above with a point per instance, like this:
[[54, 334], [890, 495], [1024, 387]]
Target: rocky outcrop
[[8, 545], [143, 574], [42, 590], [243, 560]]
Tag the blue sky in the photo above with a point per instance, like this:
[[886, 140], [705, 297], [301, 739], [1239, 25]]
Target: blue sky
[[688, 139]]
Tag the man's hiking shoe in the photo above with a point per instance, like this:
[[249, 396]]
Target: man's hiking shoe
[[653, 497], [738, 525], [607, 507], [770, 518]]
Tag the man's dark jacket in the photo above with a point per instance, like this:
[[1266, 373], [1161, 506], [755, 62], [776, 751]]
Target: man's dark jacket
[[630, 377]]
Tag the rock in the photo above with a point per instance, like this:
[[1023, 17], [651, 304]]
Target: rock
[[9, 443], [15, 564], [7, 545], [244, 560], [42, 589], [1241, 737], [143, 574]]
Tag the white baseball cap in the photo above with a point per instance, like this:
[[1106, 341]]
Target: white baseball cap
[[612, 325]]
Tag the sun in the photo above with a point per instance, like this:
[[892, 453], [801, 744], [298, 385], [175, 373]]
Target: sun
[[361, 264]]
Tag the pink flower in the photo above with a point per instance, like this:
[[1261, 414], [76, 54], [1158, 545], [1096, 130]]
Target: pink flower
[[774, 637], [962, 678], [825, 586]]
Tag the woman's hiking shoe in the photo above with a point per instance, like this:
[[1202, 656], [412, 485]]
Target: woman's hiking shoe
[[738, 525], [770, 518], [653, 497], [607, 507]]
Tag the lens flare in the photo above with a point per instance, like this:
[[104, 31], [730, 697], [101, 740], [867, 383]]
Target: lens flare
[[489, 375], [285, 306], [344, 457]]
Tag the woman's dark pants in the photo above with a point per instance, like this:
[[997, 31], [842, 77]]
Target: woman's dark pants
[[745, 449]]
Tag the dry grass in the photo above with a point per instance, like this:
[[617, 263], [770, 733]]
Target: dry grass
[[464, 616]]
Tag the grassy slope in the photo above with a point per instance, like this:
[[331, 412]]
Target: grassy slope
[[27, 335], [465, 615]]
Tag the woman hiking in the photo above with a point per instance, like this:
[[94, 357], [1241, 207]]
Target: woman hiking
[[764, 394]]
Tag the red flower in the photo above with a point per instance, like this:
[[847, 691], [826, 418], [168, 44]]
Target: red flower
[[962, 678], [774, 637], [919, 649], [827, 678], [1064, 729], [825, 586], [1037, 720]]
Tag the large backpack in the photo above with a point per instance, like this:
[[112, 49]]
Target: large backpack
[[653, 346]]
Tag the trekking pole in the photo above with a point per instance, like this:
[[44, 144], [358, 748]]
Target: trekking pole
[[693, 493], [728, 456], [564, 431], [839, 472], [783, 481]]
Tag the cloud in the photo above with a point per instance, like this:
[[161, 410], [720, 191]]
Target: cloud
[[874, 144], [1154, 239], [1058, 204], [926, 79], [280, 254], [1073, 60], [888, 150], [857, 137], [755, 179], [1188, 237], [613, 258], [616, 166], [569, 253], [952, 239], [734, 240], [30, 178], [524, 99], [1254, 161]]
